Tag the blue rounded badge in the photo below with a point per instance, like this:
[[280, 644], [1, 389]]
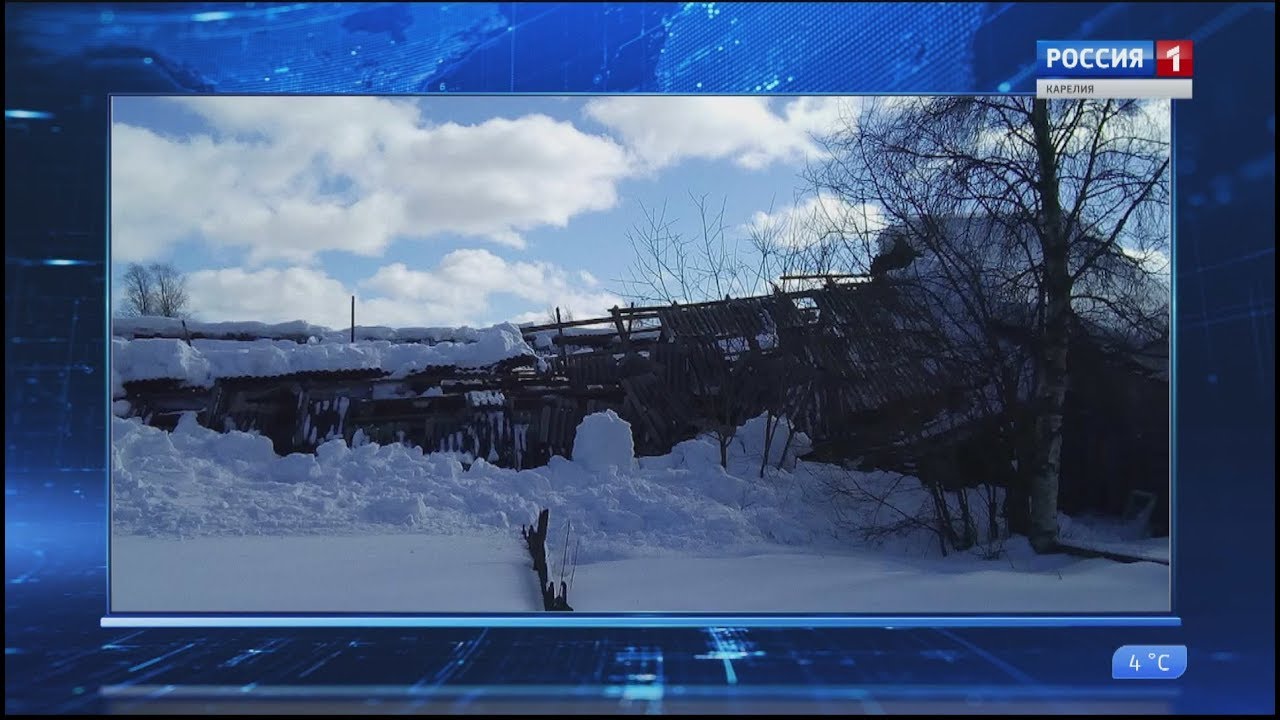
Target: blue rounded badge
[[1149, 662]]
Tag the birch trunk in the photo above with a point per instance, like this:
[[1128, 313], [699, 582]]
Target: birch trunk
[[1051, 388]]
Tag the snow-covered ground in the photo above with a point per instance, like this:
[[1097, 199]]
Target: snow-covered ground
[[487, 572], [1113, 535], [871, 582], [399, 572], [206, 521]]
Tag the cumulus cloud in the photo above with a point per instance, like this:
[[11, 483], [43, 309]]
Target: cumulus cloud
[[269, 295], [289, 177], [662, 131], [460, 290], [815, 218], [468, 278], [295, 184], [1155, 261]]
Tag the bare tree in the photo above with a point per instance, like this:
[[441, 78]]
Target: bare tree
[[139, 291], [170, 291], [708, 262], [781, 243], [732, 388], [158, 289], [559, 314], [1028, 214]]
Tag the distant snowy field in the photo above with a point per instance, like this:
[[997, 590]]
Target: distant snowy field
[[213, 522]]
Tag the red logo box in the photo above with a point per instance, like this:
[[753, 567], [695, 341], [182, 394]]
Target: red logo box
[[1174, 58]]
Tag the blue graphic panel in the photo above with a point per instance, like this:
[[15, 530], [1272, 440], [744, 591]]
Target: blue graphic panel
[[62, 61]]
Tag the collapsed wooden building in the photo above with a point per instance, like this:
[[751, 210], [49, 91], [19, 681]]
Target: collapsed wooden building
[[853, 366]]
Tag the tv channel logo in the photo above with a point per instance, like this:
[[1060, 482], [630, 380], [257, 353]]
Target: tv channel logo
[[1174, 58], [1114, 58]]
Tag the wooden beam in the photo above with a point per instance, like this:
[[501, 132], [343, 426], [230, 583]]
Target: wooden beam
[[623, 335], [825, 276], [605, 321]]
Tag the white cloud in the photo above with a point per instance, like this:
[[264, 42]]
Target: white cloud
[[1147, 121], [460, 290], [814, 218], [467, 279], [269, 295], [662, 131], [288, 177], [1155, 261]]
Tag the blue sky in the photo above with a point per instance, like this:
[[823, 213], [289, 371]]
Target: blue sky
[[439, 210]]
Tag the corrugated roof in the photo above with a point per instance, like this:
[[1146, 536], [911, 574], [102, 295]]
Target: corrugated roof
[[745, 317], [514, 363], [160, 385], [355, 374]]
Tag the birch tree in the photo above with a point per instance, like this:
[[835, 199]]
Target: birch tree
[[1023, 213]]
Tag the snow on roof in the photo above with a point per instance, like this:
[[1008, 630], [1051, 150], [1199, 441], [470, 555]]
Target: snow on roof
[[544, 339], [204, 361], [298, 331]]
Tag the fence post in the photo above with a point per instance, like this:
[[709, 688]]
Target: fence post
[[536, 538], [560, 335], [623, 334], [353, 318]]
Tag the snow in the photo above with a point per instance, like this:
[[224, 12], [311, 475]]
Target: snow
[[370, 573], [203, 362], [1149, 549], [485, 398], [1112, 535], [208, 521], [389, 391], [603, 443], [867, 583], [545, 339], [147, 326], [174, 327], [751, 438], [487, 572]]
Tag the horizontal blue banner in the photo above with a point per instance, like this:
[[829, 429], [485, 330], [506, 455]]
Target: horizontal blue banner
[[1095, 58], [654, 621]]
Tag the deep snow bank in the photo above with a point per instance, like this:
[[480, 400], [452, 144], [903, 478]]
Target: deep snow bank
[[195, 482], [204, 361]]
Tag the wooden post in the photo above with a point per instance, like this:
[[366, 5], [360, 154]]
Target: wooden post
[[536, 538], [623, 335], [560, 334], [538, 545], [353, 318]]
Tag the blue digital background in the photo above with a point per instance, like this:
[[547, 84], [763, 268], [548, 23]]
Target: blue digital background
[[62, 61]]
